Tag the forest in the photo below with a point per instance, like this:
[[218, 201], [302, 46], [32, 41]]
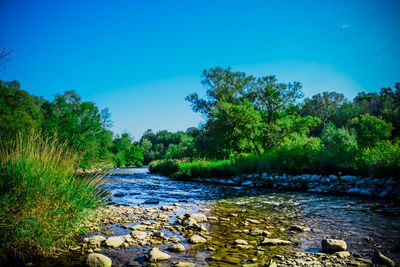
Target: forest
[[257, 124]]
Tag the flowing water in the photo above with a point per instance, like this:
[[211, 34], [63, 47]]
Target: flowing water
[[363, 223]]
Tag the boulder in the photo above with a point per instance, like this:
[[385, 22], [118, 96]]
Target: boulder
[[333, 245], [98, 260], [155, 255], [114, 241], [275, 242], [177, 248], [197, 239]]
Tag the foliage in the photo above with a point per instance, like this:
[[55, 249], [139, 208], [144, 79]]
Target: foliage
[[78, 123], [42, 201], [381, 160], [371, 129]]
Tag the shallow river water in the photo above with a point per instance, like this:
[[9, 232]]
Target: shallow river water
[[363, 223]]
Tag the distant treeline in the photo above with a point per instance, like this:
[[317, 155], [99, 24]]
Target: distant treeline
[[264, 121], [80, 124]]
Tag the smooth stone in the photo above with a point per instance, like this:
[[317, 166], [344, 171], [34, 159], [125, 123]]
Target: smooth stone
[[199, 217], [275, 242], [139, 234], [379, 258], [254, 221], [196, 239], [240, 242], [155, 255], [114, 241], [98, 260], [333, 245], [177, 248]]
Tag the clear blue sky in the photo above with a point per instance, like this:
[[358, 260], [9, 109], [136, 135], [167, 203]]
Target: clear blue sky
[[141, 58]]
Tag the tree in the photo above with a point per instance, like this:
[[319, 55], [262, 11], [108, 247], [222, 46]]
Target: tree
[[371, 129], [76, 122], [244, 113], [323, 106]]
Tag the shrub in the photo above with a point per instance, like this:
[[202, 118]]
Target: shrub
[[381, 160], [42, 201]]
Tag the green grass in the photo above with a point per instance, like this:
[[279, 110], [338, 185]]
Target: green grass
[[42, 200]]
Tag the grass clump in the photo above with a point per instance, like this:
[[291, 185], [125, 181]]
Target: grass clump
[[42, 200]]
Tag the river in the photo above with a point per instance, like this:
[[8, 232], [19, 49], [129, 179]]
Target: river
[[363, 223]]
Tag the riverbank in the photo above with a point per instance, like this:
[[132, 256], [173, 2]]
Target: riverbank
[[332, 184]]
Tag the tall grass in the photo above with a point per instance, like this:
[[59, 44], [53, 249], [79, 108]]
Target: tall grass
[[42, 201]]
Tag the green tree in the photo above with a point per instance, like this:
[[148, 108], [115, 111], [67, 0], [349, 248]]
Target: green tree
[[323, 106], [371, 129]]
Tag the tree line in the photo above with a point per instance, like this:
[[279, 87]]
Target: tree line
[[70, 120], [266, 119]]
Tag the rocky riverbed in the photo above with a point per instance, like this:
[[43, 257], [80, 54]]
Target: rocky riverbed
[[216, 237], [153, 220], [332, 184]]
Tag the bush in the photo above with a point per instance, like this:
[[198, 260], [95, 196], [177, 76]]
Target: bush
[[380, 160], [42, 201]]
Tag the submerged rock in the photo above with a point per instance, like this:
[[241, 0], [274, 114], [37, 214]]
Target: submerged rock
[[333, 245], [98, 260], [299, 228], [196, 239], [241, 242], [177, 248], [275, 242], [155, 255]]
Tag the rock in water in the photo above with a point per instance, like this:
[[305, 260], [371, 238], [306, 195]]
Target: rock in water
[[139, 235], [196, 239], [114, 241], [98, 260], [177, 248], [96, 240], [199, 217], [155, 255], [241, 242], [299, 228], [333, 245], [379, 258], [275, 242]]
